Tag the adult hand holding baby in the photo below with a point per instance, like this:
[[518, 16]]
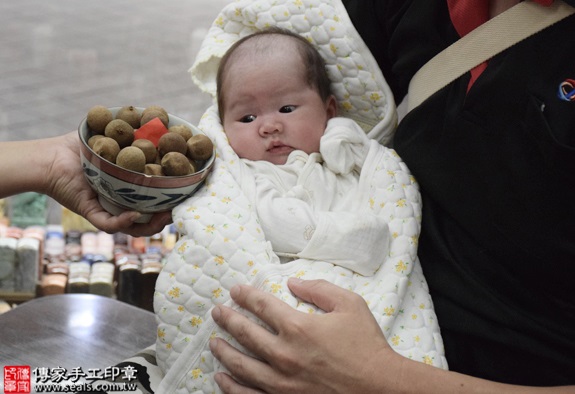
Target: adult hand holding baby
[[341, 351], [287, 365]]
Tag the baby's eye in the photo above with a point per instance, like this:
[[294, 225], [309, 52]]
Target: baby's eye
[[286, 109], [248, 118]]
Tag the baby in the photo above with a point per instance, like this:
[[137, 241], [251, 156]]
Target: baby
[[295, 191], [278, 113]]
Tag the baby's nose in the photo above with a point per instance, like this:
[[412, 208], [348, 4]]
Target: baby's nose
[[270, 126]]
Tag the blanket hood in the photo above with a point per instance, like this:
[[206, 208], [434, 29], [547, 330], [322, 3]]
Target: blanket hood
[[356, 80]]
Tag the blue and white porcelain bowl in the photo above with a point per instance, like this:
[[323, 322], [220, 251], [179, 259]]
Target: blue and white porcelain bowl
[[120, 189]]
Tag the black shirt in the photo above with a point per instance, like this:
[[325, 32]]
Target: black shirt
[[496, 168]]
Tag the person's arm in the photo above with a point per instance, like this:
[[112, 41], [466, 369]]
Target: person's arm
[[51, 166], [342, 351]]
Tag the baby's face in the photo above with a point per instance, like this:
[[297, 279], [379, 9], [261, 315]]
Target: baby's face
[[269, 109]]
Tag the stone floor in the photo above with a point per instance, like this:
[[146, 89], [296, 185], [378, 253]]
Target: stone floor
[[58, 58]]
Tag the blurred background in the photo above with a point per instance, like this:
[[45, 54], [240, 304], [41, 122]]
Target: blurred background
[[58, 58]]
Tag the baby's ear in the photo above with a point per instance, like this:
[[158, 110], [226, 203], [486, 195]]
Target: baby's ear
[[331, 107]]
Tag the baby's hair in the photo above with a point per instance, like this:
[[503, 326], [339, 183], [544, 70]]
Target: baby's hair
[[314, 65]]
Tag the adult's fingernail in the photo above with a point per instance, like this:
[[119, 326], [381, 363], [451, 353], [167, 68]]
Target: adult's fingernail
[[235, 291], [135, 216], [213, 344], [216, 313], [218, 378]]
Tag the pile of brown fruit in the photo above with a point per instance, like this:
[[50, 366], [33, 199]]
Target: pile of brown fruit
[[145, 142]]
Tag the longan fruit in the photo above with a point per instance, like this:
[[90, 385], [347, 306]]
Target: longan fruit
[[98, 117], [154, 111], [121, 131], [182, 130], [155, 108], [153, 169], [107, 148], [92, 140], [172, 142], [194, 166], [131, 158], [176, 164], [130, 115], [148, 148], [200, 147]]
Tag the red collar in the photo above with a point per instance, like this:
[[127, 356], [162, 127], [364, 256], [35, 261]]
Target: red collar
[[466, 15]]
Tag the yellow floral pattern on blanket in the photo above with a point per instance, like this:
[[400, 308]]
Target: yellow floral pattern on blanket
[[222, 244]]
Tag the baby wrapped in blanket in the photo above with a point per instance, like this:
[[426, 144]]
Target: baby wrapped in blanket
[[295, 191]]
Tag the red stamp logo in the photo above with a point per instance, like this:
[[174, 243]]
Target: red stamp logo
[[17, 379]]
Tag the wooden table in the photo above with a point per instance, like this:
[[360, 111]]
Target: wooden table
[[74, 330]]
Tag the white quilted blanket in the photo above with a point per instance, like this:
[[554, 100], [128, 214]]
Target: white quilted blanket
[[222, 243]]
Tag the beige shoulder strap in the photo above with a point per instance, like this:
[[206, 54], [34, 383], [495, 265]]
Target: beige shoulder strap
[[489, 39]]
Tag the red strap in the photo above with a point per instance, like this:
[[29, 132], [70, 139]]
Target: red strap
[[466, 15]]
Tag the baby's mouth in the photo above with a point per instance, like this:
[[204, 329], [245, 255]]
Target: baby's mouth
[[279, 147], [276, 144]]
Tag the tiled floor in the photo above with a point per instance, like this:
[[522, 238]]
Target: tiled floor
[[60, 57]]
